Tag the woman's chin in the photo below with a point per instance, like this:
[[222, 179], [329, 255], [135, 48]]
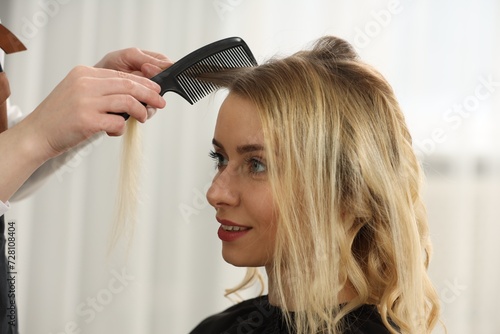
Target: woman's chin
[[240, 260]]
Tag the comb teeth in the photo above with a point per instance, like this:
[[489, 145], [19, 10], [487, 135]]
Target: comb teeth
[[230, 58]]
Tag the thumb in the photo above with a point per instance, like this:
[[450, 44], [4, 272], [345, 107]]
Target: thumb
[[150, 70]]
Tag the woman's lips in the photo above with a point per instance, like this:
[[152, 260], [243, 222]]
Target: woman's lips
[[230, 231]]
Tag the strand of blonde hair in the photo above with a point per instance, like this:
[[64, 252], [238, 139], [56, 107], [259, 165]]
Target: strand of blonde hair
[[127, 199]]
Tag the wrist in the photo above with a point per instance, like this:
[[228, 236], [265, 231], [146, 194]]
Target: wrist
[[21, 157], [32, 142]]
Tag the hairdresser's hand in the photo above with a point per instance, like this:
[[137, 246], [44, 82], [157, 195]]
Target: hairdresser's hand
[[75, 110], [80, 107], [138, 62]]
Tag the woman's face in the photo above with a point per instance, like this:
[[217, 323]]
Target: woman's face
[[240, 192]]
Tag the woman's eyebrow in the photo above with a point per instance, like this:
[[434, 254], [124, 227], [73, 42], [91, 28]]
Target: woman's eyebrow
[[242, 149], [249, 148], [216, 143]]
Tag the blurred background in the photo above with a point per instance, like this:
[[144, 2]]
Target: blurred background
[[441, 57]]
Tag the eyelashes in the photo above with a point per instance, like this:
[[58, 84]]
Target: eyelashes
[[254, 165], [218, 159]]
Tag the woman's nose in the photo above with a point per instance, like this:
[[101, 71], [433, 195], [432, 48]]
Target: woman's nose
[[223, 191]]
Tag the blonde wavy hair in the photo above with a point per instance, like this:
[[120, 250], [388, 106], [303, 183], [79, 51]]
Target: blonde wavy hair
[[347, 187]]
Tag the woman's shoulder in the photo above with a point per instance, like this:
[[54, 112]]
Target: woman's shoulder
[[257, 315], [365, 319], [254, 315]]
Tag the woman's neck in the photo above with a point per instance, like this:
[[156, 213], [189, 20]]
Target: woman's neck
[[345, 295]]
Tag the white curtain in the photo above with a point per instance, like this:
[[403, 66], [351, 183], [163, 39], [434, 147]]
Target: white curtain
[[441, 58]]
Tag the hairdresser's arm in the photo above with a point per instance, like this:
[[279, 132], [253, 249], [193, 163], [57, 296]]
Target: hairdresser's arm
[[78, 108]]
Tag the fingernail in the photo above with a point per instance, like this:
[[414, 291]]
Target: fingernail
[[151, 111]]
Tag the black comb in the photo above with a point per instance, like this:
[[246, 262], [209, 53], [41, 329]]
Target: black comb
[[181, 77]]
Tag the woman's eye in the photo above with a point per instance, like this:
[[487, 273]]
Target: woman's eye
[[256, 166], [220, 160]]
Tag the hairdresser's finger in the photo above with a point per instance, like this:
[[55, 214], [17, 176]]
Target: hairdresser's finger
[[112, 125], [137, 58], [151, 111], [100, 73], [157, 59], [156, 55], [134, 89], [123, 103], [138, 73], [150, 70]]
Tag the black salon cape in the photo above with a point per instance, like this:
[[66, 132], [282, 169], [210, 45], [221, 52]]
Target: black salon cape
[[8, 310], [257, 316]]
